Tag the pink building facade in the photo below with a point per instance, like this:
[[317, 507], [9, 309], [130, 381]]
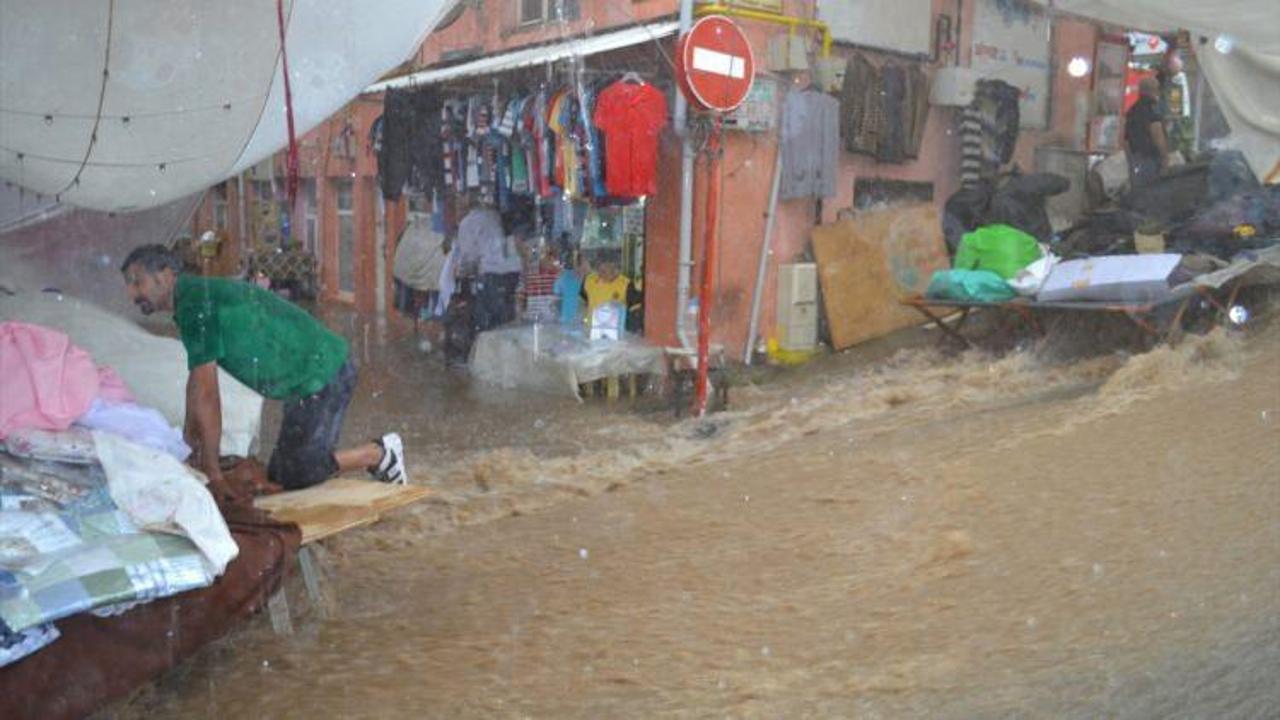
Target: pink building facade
[[352, 230]]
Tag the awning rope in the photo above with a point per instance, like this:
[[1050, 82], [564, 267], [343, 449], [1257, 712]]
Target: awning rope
[[291, 182]]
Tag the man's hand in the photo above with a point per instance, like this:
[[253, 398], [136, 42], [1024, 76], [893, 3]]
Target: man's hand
[[204, 425], [224, 492]]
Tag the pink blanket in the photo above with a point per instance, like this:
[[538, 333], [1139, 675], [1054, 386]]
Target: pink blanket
[[46, 382]]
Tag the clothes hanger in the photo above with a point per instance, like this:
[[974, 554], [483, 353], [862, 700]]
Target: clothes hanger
[[633, 78]]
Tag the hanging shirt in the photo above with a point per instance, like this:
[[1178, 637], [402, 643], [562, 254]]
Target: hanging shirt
[[542, 143], [519, 171], [631, 116], [507, 126], [568, 289], [569, 146], [595, 166]]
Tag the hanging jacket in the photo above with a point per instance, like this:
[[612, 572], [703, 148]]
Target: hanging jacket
[[917, 104], [861, 111], [892, 147], [810, 144]]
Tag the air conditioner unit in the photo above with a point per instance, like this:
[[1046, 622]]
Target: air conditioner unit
[[954, 86]]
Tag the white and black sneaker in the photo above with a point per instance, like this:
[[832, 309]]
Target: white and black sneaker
[[390, 469]]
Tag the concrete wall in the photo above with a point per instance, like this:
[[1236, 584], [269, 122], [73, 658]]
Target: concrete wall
[[491, 26]]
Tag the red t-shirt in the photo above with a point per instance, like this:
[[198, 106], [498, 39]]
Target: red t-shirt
[[631, 115]]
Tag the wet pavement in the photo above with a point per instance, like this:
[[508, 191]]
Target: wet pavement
[[891, 533]]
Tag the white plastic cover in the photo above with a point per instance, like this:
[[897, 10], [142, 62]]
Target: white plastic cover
[[154, 368], [130, 104], [1241, 59], [548, 359]]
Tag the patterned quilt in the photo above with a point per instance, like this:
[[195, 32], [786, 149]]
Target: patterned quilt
[[65, 548]]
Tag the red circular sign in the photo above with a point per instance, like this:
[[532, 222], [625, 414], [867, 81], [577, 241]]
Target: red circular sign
[[715, 65]]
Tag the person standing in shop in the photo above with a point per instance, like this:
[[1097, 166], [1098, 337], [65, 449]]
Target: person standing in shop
[[1145, 139]]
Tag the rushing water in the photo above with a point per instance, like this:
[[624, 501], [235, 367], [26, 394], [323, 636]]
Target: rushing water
[[925, 536]]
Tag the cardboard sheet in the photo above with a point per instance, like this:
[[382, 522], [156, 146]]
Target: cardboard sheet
[[870, 263], [1116, 278], [338, 504]]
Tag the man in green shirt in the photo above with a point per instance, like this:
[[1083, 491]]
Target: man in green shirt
[[274, 347]]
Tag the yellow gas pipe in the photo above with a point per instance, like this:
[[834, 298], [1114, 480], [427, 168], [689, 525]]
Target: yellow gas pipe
[[769, 17]]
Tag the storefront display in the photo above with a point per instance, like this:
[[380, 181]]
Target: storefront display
[[566, 167]]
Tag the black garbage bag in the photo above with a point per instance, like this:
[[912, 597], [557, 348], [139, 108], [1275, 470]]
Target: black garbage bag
[[1230, 174], [1181, 192], [965, 211], [1020, 202], [1102, 232]]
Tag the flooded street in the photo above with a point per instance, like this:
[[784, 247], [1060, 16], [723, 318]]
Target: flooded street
[[923, 536]]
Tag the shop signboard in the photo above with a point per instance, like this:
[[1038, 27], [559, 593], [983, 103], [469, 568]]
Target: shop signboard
[[1011, 43]]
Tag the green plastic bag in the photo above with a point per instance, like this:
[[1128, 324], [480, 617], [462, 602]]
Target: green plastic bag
[[969, 286], [1002, 249]]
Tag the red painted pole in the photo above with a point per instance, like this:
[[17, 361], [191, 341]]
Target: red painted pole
[[709, 253]]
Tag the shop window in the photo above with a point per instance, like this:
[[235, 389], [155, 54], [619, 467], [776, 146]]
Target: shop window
[[311, 227], [346, 237], [220, 204], [540, 11], [871, 192], [532, 11], [262, 191]]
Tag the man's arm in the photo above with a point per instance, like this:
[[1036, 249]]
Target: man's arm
[[204, 423], [1161, 141]]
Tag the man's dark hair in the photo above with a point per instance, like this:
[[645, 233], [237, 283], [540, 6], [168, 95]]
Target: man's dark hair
[[153, 259]]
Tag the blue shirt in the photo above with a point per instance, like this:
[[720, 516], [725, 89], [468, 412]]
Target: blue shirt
[[568, 288]]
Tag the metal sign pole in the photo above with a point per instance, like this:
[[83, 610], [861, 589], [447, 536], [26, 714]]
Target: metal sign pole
[[710, 249]]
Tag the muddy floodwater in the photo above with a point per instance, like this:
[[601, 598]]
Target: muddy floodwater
[[914, 536]]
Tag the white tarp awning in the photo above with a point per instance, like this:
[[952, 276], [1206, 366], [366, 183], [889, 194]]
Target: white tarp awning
[[131, 104], [1253, 22], [526, 57], [1241, 60]]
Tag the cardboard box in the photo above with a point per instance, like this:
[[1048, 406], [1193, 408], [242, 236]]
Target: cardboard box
[[1112, 278]]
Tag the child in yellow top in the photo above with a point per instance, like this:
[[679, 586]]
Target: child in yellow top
[[604, 285]]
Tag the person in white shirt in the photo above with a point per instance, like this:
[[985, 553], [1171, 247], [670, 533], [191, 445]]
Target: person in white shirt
[[479, 232]]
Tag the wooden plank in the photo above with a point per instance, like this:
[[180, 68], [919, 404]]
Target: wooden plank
[[872, 262], [338, 504]]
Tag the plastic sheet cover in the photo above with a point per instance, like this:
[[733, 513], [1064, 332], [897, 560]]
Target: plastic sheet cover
[[130, 104], [548, 359], [155, 368], [1241, 59]]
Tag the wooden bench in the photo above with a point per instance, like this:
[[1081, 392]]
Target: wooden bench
[[322, 511]]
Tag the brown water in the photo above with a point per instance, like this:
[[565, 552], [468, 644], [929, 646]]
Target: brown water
[[925, 537]]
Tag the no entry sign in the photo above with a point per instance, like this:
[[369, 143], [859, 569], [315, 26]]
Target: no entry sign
[[714, 64]]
